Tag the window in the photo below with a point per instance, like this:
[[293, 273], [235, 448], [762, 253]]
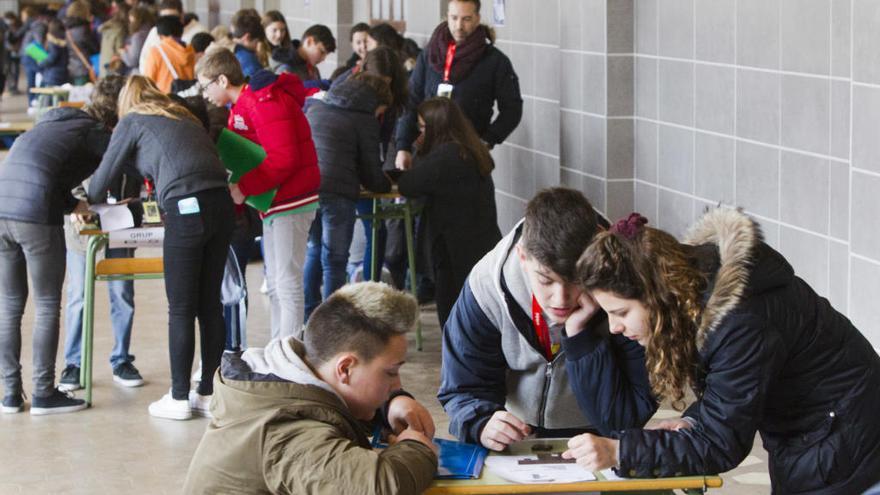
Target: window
[[390, 11]]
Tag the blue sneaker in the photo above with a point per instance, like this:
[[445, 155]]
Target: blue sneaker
[[57, 403], [13, 403]]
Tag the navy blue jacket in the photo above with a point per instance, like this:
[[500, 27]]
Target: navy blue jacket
[[54, 67], [47, 162], [491, 79], [250, 64], [492, 360], [775, 358]]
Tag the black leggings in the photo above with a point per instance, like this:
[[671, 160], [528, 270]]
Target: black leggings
[[195, 249]]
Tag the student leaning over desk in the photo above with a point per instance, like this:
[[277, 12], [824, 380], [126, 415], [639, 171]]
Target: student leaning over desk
[[43, 166], [159, 139], [506, 364], [453, 170], [725, 314], [293, 418]]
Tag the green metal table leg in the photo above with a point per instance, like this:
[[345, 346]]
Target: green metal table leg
[[375, 237], [85, 376], [411, 258]]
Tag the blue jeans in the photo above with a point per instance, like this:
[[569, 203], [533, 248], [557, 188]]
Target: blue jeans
[[365, 207], [121, 309], [327, 250], [30, 70]]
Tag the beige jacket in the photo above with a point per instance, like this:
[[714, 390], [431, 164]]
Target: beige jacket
[[277, 428]]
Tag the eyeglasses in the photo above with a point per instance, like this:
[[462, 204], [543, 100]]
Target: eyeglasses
[[204, 87]]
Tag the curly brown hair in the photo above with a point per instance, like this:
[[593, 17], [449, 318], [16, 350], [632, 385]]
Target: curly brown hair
[[653, 268]]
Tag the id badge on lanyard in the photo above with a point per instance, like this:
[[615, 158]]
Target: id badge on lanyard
[[444, 89], [151, 207], [549, 338]]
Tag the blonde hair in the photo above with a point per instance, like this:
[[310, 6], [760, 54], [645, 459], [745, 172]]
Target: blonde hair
[[141, 96]]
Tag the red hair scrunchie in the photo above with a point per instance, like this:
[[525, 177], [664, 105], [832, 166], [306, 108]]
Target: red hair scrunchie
[[630, 226]]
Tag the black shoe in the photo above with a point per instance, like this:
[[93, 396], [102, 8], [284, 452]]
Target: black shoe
[[127, 375], [13, 403], [69, 379], [57, 403]]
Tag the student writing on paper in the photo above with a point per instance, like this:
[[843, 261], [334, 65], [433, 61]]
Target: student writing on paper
[[268, 111], [724, 314], [293, 417], [507, 365], [191, 189], [36, 178], [453, 172], [121, 292]]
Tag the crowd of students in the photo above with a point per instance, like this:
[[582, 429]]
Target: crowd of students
[[567, 326]]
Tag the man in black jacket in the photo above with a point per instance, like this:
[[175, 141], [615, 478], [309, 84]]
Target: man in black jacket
[[462, 62]]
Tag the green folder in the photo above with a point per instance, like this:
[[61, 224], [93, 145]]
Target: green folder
[[241, 155], [36, 52]]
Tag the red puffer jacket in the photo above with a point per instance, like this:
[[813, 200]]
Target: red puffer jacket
[[269, 113]]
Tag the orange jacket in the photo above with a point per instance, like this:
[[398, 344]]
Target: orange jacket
[[182, 59]]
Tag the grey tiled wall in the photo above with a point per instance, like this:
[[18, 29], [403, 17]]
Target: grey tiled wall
[[672, 106], [774, 106]]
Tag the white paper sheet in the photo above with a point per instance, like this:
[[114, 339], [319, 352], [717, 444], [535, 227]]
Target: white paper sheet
[[113, 217], [509, 468], [129, 238]]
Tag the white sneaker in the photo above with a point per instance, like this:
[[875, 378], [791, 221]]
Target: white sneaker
[[200, 404], [169, 408]]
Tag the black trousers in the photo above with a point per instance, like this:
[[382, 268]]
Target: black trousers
[[449, 278], [196, 245]]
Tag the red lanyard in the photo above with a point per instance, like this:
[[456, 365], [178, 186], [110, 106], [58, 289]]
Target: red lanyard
[[450, 54], [149, 186], [542, 329]]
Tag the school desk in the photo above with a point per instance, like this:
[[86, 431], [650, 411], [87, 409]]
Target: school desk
[[491, 484], [55, 94], [15, 128], [106, 270], [393, 210]]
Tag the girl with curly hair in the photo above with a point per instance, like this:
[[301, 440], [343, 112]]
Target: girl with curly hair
[[725, 315]]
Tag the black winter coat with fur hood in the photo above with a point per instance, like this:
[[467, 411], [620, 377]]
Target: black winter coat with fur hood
[[775, 358]]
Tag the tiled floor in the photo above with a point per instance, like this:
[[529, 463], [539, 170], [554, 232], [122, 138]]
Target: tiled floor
[[116, 447]]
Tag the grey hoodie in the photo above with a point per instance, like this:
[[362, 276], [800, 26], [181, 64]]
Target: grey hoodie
[[346, 135]]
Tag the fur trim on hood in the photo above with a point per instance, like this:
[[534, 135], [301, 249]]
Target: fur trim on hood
[[736, 236]]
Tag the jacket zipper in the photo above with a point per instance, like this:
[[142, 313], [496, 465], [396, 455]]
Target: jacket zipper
[[548, 373]]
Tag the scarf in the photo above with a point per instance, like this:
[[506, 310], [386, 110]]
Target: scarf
[[467, 54]]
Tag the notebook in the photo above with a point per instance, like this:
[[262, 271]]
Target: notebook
[[241, 155], [36, 52], [459, 461]]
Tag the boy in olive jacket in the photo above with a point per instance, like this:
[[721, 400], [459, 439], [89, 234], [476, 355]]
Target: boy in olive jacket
[[294, 417]]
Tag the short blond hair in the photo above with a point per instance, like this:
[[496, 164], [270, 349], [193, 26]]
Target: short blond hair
[[359, 318], [220, 62]]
